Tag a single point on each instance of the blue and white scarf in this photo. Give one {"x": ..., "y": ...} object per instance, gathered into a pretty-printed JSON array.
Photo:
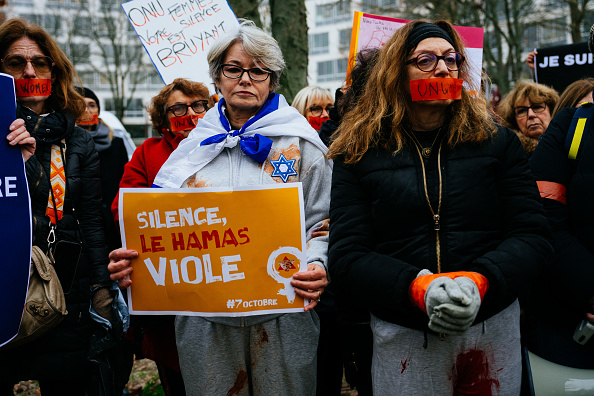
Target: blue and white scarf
[{"x": 213, "y": 133}]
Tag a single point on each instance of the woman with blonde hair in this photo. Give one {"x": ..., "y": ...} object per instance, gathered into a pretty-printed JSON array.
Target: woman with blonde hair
[
  {"x": 314, "y": 103},
  {"x": 527, "y": 110},
  {"x": 436, "y": 224}
]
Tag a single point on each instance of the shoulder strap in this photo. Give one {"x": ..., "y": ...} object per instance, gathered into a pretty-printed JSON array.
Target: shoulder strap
[{"x": 580, "y": 125}]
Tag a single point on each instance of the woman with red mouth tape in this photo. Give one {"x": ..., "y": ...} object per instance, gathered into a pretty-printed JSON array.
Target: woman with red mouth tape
[{"x": 436, "y": 222}]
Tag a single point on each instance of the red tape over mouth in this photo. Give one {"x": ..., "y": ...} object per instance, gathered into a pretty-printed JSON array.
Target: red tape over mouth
[
  {"x": 436, "y": 88},
  {"x": 89, "y": 119},
  {"x": 32, "y": 87},
  {"x": 316, "y": 122},
  {"x": 184, "y": 123}
]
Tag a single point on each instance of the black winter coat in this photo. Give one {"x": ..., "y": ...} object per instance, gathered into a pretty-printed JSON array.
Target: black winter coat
[
  {"x": 381, "y": 227},
  {"x": 61, "y": 353},
  {"x": 561, "y": 298}
]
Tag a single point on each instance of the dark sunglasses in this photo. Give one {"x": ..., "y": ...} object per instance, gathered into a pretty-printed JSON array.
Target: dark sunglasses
[{"x": 16, "y": 64}]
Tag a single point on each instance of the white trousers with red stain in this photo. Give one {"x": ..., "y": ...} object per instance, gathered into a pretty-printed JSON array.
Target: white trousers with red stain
[{"x": 485, "y": 360}]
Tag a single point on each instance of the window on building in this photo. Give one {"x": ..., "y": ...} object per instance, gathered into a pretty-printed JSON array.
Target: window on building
[
  {"x": 529, "y": 38},
  {"x": 344, "y": 39},
  {"x": 82, "y": 24},
  {"x": 376, "y": 5},
  {"x": 80, "y": 53},
  {"x": 587, "y": 24},
  {"x": 318, "y": 44},
  {"x": 333, "y": 12},
  {"x": 333, "y": 70},
  {"x": 87, "y": 78},
  {"x": 52, "y": 24},
  {"x": 553, "y": 32}
]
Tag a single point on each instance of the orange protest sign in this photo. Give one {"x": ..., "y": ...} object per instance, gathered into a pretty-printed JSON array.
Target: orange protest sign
[
  {"x": 214, "y": 251},
  {"x": 436, "y": 88},
  {"x": 184, "y": 123},
  {"x": 32, "y": 87}
]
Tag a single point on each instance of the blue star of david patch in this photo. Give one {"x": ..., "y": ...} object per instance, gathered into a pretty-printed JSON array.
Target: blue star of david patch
[{"x": 283, "y": 168}]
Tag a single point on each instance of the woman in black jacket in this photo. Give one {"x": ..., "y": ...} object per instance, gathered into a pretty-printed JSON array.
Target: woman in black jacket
[
  {"x": 59, "y": 358},
  {"x": 435, "y": 222}
]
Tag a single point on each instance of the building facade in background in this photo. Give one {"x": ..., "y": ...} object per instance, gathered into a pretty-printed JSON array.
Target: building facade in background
[{"x": 109, "y": 57}]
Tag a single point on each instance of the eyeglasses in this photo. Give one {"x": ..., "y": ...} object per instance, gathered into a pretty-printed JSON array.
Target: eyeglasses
[
  {"x": 181, "y": 109},
  {"x": 317, "y": 111},
  {"x": 428, "y": 62},
  {"x": 16, "y": 64},
  {"x": 522, "y": 111},
  {"x": 256, "y": 74}
]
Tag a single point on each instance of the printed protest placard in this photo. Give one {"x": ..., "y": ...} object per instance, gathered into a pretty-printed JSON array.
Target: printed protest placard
[
  {"x": 214, "y": 251},
  {"x": 561, "y": 65},
  {"x": 15, "y": 221},
  {"x": 373, "y": 31},
  {"x": 177, "y": 35}
]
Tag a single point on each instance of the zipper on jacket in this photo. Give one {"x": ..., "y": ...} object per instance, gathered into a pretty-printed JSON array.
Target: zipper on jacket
[{"x": 435, "y": 214}]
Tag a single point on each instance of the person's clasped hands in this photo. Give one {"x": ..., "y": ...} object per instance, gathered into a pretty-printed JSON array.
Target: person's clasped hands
[{"x": 451, "y": 300}]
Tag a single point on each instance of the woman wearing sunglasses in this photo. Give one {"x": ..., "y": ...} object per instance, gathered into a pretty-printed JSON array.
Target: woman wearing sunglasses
[
  {"x": 527, "y": 110},
  {"x": 174, "y": 113},
  {"x": 435, "y": 220}
]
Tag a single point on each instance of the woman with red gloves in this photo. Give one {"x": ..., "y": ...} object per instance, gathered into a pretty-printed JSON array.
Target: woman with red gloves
[{"x": 435, "y": 221}]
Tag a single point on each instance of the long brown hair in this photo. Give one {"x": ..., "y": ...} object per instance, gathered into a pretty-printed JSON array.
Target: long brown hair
[
  {"x": 63, "y": 96},
  {"x": 573, "y": 93},
  {"x": 386, "y": 103}
]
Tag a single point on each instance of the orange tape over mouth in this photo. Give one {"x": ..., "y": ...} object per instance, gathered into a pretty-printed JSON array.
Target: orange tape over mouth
[
  {"x": 184, "y": 123},
  {"x": 32, "y": 87},
  {"x": 89, "y": 119},
  {"x": 436, "y": 88}
]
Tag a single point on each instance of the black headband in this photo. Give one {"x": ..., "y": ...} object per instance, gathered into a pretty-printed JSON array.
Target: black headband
[{"x": 424, "y": 30}]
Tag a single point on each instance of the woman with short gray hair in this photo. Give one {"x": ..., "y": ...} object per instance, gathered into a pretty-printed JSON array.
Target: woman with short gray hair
[{"x": 262, "y": 140}]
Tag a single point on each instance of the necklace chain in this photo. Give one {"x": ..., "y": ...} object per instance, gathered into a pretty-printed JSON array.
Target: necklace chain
[
  {"x": 425, "y": 151},
  {"x": 435, "y": 213}
]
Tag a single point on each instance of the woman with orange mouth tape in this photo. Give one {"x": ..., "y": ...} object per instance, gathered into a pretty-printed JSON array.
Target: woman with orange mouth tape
[{"x": 436, "y": 222}]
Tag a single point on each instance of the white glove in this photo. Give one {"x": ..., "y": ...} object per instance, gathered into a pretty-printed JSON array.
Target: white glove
[{"x": 457, "y": 315}]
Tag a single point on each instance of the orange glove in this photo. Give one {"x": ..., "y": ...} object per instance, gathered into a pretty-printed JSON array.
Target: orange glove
[{"x": 418, "y": 288}]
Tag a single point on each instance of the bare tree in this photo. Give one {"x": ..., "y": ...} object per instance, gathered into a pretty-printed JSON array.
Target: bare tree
[{"x": 115, "y": 54}]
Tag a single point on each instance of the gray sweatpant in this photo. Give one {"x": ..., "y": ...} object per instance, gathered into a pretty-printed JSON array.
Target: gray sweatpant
[
  {"x": 485, "y": 360},
  {"x": 276, "y": 357}
]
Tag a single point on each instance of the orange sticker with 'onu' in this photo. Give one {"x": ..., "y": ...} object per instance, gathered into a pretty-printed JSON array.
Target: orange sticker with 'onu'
[
  {"x": 436, "y": 88},
  {"x": 184, "y": 123}
]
